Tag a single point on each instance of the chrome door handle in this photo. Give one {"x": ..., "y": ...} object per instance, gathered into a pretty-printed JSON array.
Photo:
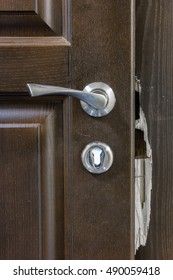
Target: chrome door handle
[{"x": 97, "y": 99}]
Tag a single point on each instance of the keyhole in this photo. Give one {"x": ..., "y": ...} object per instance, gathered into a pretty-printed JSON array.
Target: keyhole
[{"x": 96, "y": 157}]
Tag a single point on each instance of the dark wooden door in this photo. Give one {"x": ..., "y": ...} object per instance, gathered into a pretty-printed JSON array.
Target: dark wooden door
[
  {"x": 51, "y": 207},
  {"x": 154, "y": 67}
]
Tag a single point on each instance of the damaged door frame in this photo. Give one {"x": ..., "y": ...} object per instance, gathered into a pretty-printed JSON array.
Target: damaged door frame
[{"x": 143, "y": 173}]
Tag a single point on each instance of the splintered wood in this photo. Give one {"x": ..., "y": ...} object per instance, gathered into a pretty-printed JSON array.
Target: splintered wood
[{"x": 143, "y": 186}]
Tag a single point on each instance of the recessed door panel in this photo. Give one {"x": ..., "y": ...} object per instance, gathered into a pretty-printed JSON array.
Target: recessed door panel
[
  {"x": 19, "y": 223},
  {"x": 31, "y": 180},
  {"x": 35, "y": 45}
]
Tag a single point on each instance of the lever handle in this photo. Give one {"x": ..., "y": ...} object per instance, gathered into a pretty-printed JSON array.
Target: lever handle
[{"x": 97, "y": 99}]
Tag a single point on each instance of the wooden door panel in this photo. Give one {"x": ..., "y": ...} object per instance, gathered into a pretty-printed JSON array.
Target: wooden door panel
[
  {"x": 31, "y": 176},
  {"x": 154, "y": 67},
  {"x": 33, "y": 61},
  {"x": 17, "y": 5},
  {"x": 45, "y": 18},
  {"x": 81, "y": 215},
  {"x": 19, "y": 233},
  {"x": 106, "y": 56},
  {"x": 32, "y": 24},
  {"x": 34, "y": 50}
]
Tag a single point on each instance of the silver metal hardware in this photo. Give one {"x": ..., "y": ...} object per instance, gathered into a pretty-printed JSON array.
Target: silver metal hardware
[
  {"x": 99, "y": 88},
  {"x": 97, "y": 99},
  {"x": 97, "y": 157}
]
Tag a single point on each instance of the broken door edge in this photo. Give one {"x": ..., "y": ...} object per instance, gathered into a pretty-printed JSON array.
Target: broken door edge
[{"x": 143, "y": 186}]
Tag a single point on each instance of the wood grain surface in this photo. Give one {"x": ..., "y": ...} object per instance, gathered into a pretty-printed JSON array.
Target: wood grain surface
[
  {"x": 90, "y": 216},
  {"x": 102, "y": 48},
  {"x": 31, "y": 176},
  {"x": 24, "y": 25},
  {"x": 154, "y": 66},
  {"x": 35, "y": 60},
  {"x": 15, "y": 5},
  {"x": 19, "y": 232},
  {"x": 31, "y": 52}
]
